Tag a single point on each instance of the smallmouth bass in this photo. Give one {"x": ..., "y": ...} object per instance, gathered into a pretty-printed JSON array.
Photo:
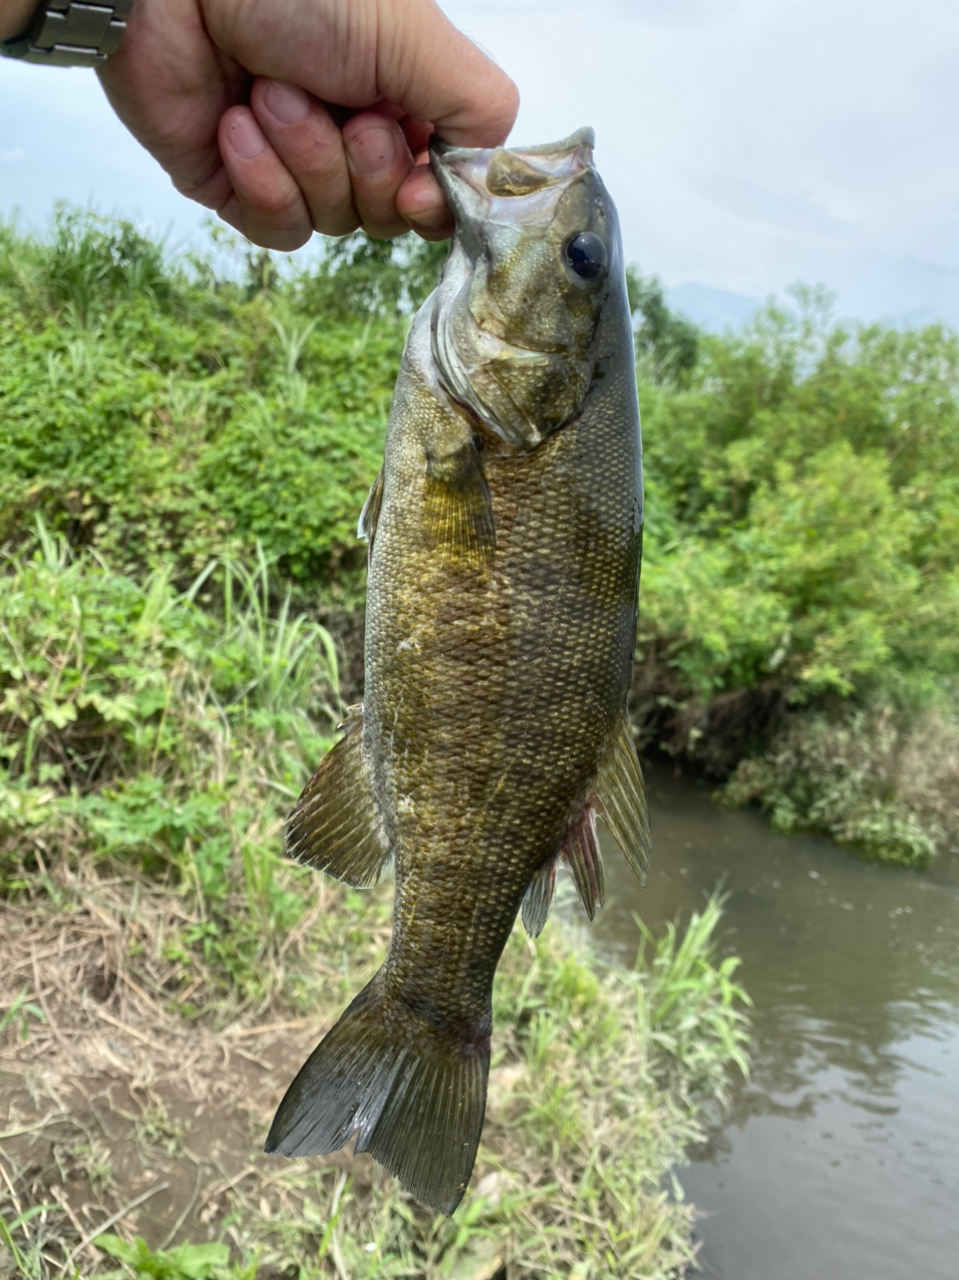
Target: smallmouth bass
[{"x": 505, "y": 535}]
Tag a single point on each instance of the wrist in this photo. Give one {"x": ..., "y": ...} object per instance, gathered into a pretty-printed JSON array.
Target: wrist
[
  {"x": 69, "y": 33},
  {"x": 15, "y": 17}
]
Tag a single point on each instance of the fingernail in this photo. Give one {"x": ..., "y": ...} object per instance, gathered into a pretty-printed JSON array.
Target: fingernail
[
  {"x": 245, "y": 136},
  {"x": 289, "y": 104},
  {"x": 429, "y": 219},
  {"x": 372, "y": 152}
]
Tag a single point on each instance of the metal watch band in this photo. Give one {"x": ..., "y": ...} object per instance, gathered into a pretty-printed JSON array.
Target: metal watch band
[{"x": 65, "y": 34}]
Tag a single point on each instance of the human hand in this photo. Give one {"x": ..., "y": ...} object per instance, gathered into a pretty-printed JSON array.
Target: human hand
[
  {"x": 231, "y": 96},
  {"x": 15, "y": 16}
]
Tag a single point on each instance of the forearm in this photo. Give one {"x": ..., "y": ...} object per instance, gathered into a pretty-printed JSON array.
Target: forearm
[{"x": 15, "y": 17}]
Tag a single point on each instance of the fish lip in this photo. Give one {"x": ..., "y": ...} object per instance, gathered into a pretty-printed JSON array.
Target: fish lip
[
  {"x": 469, "y": 164},
  {"x": 579, "y": 138}
]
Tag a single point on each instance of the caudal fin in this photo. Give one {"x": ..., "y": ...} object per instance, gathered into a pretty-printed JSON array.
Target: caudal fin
[{"x": 414, "y": 1094}]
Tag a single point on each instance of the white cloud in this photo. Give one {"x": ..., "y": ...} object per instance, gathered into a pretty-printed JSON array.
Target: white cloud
[{"x": 747, "y": 143}]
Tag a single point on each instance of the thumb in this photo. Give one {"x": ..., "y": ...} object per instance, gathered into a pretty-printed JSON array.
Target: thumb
[{"x": 436, "y": 73}]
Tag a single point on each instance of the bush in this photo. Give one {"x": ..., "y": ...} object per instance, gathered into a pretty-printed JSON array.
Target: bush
[
  {"x": 164, "y": 414},
  {"x": 793, "y": 493},
  {"x": 802, "y": 544},
  {"x": 803, "y": 552},
  {"x": 865, "y": 777}
]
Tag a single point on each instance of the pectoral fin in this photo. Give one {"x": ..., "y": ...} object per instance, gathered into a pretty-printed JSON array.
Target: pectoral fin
[
  {"x": 336, "y": 825},
  {"x": 459, "y": 511},
  {"x": 621, "y": 800}
]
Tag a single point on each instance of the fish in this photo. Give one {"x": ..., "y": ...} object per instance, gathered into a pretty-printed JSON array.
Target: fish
[{"x": 505, "y": 540}]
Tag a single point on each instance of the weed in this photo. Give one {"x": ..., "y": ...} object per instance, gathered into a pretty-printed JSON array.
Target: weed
[
  {"x": 19, "y": 1013},
  {"x": 866, "y": 777},
  {"x": 140, "y": 729},
  {"x": 188, "y": 1262}
]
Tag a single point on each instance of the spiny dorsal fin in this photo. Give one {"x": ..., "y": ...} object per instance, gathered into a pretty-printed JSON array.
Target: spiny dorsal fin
[
  {"x": 336, "y": 825},
  {"x": 366, "y": 528},
  {"x": 458, "y": 510},
  {"x": 621, "y": 799}
]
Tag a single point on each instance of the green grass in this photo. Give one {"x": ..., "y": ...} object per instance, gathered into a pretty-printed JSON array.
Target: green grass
[
  {"x": 595, "y": 1093},
  {"x": 153, "y": 739},
  {"x": 802, "y": 483},
  {"x": 140, "y": 731}
]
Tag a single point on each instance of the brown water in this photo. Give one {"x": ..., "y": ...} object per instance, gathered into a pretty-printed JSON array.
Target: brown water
[{"x": 841, "y": 1156}]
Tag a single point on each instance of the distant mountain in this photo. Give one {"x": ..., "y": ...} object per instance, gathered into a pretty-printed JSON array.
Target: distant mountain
[
  {"x": 711, "y": 309},
  {"x": 937, "y": 302}
]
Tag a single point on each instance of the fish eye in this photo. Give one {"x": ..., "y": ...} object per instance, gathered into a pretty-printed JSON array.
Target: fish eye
[{"x": 586, "y": 255}]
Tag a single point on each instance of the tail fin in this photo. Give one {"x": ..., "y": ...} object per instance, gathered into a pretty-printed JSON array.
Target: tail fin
[{"x": 414, "y": 1094}]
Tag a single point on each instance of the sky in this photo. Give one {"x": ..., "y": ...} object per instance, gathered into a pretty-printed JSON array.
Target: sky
[{"x": 748, "y": 144}]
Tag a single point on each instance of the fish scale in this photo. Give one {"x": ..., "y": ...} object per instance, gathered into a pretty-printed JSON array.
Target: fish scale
[{"x": 505, "y": 539}]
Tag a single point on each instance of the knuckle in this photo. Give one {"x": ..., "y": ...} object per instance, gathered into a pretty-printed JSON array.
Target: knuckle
[
  {"x": 385, "y": 230},
  {"x": 335, "y": 224}
]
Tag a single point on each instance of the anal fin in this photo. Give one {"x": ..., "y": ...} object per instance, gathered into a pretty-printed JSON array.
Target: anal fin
[
  {"x": 539, "y": 898},
  {"x": 580, "y": 853},
  {"x": 336, "y": 825},
  {"x": 621, "y": 800}
]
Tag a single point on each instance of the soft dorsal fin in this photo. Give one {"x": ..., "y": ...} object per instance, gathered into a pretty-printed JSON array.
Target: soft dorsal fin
[
  {"x": 621, "y": 799},
  {"x": 336, "y": 825}
]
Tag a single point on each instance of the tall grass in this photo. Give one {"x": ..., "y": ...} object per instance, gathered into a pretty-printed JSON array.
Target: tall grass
[{"x": 140, "y": 730}]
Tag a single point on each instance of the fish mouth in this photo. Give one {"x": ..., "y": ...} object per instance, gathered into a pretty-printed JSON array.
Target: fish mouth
[{"x": 472, "y": 178}]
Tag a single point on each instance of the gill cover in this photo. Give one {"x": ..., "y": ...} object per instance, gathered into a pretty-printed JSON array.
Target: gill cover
[{"x": 535, "y": 254}]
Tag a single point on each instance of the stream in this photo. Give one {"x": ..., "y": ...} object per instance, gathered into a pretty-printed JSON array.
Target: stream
[{"x": 840, "y": 1157}]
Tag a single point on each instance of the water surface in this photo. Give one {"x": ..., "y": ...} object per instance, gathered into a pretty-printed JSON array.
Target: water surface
[{"x": 841, "y": 1156}]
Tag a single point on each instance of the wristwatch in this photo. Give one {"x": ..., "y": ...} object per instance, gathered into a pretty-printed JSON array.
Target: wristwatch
[{"x": 68, "y": 34}]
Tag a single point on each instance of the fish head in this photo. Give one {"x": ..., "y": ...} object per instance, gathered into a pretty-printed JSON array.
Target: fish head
[{"x": 535, "y": 257}]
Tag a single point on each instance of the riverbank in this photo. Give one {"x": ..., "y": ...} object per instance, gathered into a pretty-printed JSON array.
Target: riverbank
[
  {"x": 164, "y": 973},
  {"x": 123, "y": 1113}
]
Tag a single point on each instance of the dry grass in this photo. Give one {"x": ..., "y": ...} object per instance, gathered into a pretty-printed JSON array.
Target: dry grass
[
  {"x": 109, "y": 1092},
  {"x": 120, "y": 1114}
]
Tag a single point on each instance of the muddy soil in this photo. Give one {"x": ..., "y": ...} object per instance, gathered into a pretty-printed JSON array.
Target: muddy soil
[{"x": 115, "y": 1112}]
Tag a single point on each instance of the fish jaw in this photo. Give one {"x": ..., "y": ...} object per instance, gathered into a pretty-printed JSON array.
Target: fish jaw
[{"x": 515, "y": 322}]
